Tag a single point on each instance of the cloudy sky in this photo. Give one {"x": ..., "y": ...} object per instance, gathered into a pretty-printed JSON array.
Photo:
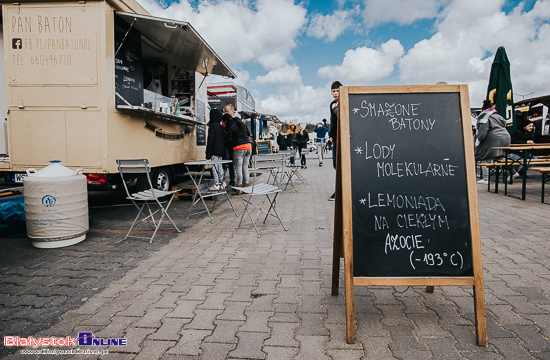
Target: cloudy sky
[{"x": 287, "y": 53}]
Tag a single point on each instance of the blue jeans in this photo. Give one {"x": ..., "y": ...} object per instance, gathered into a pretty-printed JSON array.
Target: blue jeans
[
  {"x": 514, "y": 156},
  {"x": 240, "y": 161}
]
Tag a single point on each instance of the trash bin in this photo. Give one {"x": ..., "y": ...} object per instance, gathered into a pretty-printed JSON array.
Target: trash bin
[{"x": 56, "y": 206}]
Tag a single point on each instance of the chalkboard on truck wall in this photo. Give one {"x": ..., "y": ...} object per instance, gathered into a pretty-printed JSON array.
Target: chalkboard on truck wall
[
  {"x": 410, "y": 216},
  {"x": 128, "y": 64}
]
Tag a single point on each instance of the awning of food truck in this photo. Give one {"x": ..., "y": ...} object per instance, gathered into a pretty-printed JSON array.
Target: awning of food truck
[
  {"x": 179, "y": 40},
  {"x": 533, "y": 101},
  {"x": 272, "y": 118}
]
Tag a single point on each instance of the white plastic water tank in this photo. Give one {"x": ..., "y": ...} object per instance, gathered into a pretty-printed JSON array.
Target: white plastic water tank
[{"x": 56, "y": 206}]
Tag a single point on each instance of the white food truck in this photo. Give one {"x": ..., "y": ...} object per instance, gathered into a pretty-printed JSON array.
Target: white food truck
[{"x": 90, "y": 82}]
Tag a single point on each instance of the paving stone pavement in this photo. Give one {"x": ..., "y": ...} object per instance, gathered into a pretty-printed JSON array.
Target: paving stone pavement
[{"x": 215, "y": 292}]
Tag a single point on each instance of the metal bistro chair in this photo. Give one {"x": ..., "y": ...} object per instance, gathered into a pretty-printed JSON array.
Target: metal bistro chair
[
  {"x": 268, "y": 191},
  {"x": 293, "y": 171},
  {"x": 283, "y": 170},
  {"x": 147, "y": 197}
]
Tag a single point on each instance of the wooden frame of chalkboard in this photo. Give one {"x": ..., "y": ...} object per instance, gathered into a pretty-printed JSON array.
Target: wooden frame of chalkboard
[
  {"x": 263, "y": 147},
  {"x": 410, "y": 216}
]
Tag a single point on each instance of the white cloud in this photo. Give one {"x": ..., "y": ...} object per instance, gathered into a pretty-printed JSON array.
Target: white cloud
[
  {"x": 304, "y": 103},
  {"x": 286, "y": 76},
  {"x": 239, "y": 33},
  {"x": 467, "y": 38},
  {"x": 402, "y": 12},
  {"x": 364, "y": 64},
  {"x": 330, "y": 26}
]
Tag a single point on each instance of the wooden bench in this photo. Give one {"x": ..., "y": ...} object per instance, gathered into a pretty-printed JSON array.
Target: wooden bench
[
  {"x": 497, "y": 167},
  {"x": 545, "y": 172}
]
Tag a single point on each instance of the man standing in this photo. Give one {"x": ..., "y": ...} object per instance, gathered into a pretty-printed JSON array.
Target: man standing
[
  {"x": 335, "y": 90},
  {"x": 320, "y": 140}
]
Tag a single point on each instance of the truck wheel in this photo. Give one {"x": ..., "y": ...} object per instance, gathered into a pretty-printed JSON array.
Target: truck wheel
[{"x": 162, "y": 179}]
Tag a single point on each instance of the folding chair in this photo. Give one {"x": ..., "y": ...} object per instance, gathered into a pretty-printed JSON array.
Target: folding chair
[
  {"x": 283, "y": 170},
  {"x": 147, "y": 197},
  {"x": 261, "y": 189},
  {"x": 294, "y": 170}
]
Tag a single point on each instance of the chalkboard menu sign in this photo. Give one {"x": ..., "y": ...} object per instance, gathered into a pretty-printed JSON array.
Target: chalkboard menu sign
[
  {"x": 406, "y": 200},
  {"x": 408, "y": 183},
  {"x": 263, "y": 147},
  {"x": 128, "y": 65},
  {"x": 201, "y": 135}
]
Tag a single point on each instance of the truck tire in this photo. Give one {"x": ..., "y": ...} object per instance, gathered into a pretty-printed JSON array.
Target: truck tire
[{"x": 162, "y": 179}]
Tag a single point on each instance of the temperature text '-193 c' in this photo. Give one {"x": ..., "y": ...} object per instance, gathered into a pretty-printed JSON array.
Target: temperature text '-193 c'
[{"x": 437, "y": 259}]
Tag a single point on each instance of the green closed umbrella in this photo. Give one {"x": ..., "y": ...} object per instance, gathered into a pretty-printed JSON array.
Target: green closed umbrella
[{"x": 499, "y": 90}]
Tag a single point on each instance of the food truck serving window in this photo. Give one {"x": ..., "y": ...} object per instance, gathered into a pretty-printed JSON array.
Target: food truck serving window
[{"x": 141, "y": 39}]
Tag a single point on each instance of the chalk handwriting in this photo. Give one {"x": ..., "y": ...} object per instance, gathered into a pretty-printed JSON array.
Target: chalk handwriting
[
  {"x": 412, "y": 124},
  {"x": 427, "y": 203},
  {"x": 386, "y": 110},
  {"x": 379, "y": 151},
  {"x": 402, "y": 242},
  {"x": 423, "y": 221},
  {"x": 407, "y": 169}
]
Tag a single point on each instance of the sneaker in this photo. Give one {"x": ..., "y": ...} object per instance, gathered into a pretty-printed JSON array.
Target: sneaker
[
  {"x": 516, "y": 174},
  {"x": 331, "y": 198},
  {"x": 483, "y": 181},
  {"x": 320, "y": 164},
  {"x": 224, "y": 185},
  {"x": 215, "y": 187}
]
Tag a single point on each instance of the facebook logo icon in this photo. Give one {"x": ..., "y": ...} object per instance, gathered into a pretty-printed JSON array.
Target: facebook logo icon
[{"x": 16, "y": 43}]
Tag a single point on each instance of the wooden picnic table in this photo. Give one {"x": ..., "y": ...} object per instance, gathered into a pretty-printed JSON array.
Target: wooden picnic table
[{"x": 525, "y": 149}]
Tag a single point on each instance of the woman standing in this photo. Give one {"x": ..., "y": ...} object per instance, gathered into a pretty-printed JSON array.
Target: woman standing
[
  {"x": 215, "y": 148},
  {"x": 238, "y": 139}
]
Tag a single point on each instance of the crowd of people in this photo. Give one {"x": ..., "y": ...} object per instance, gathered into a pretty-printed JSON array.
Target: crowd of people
[{"x": 230, "y": 139}]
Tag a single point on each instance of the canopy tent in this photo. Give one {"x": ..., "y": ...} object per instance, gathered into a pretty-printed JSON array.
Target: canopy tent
[{"x": 499, "y": 90}]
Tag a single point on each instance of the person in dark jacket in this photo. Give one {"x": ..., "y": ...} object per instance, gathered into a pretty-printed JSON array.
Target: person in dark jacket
[
  {"x": 524, "y": 134},
  {"x": 215, "y": 147},
  {"x": 491, "y": 132},
  {"x": 281, "y": 141},
  {"x": 238, "y": 138},
  {"x": 301, "y": 142},
  {"x": 320, "y": 141},
  {"x": 335, "y": 91}
]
